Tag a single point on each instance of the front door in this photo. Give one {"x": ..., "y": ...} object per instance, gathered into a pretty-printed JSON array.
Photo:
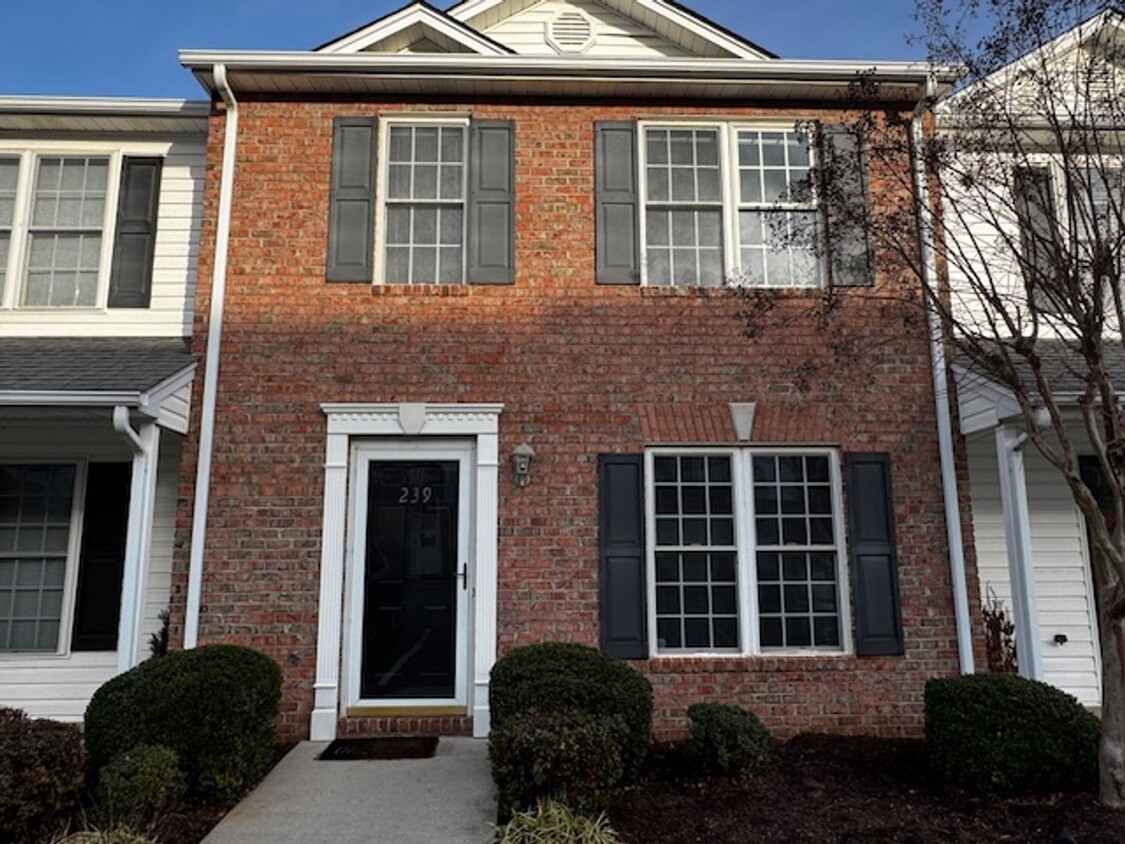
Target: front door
[{"x": 411, "y": 523}]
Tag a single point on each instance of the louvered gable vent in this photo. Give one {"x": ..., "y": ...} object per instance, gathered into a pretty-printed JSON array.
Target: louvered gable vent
[{"x": 570, "y": 31}]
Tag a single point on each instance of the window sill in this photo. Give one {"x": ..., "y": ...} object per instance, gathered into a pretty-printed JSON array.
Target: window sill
[
  {"x": 440, "y": 290},
  {"x": 751, "y": 663},
  {"x": 727, "y": 291}
]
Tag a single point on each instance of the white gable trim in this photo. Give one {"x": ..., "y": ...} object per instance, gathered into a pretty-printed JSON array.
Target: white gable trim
[
  {"x": 469, "y": 10},
  {"x": 416, "y": 14}
]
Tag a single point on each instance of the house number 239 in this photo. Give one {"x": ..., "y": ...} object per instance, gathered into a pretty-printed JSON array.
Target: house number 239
[{"x": 415, "y": 495}]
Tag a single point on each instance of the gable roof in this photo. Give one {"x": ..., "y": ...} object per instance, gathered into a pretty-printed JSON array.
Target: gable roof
[
  {"x": 416, "y": 21},
  {"x": 686, "y": 28}
]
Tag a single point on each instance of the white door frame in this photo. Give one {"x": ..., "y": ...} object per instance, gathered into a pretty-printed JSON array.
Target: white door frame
[
  {"x": 395, "y": 423},
  {"x": 364, "y": 453}
]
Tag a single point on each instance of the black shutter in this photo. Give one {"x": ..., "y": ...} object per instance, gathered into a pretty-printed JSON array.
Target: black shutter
[
  {"x": 616, "y": 201},
  {"x": 97, "y": 607},
  {"x": 1035, "y": 211},
  {"x": 492, "y": 202},
  {"x": 847, "y": 208},
  {"x": 621, "y": 546},
  {"x": 351, "y": 200},
  {"x": 130, "y": 278},
  {"x": 871, "y": 529}
]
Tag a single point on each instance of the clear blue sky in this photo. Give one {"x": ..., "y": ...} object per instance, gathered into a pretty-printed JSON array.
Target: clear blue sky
[{"x": 128, "y": 47}]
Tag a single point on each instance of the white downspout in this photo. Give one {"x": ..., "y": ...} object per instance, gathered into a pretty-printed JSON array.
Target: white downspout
[
  {"x": 1017, "y": 531},
  {"x": 145, "y": 445},
  {"x": 941, "y": 399},
  {"x": 211, "y": 364}
]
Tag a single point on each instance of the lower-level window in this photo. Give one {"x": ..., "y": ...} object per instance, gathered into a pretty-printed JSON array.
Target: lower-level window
[
  {"x": 36, "y": 502},
  {"x": 746, "y": 550}
]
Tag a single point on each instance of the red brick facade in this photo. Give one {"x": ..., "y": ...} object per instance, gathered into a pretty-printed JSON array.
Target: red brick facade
[{"x": 580, "y": 369}]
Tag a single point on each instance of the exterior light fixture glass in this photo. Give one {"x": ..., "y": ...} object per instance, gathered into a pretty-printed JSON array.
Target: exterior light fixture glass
[{"x": 522, "y": 455}]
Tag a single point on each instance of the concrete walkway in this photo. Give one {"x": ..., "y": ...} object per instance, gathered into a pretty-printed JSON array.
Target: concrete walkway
[{"x": 447, "y": 799}]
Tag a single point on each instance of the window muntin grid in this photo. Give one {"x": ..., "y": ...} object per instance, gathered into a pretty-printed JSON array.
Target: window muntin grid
[
  {"x": 683, "y": 207},
  {"x": 35, "y": 513},
  {"x": 425, "y": 208},
  {"x": 796, "y": 552},
  {"x": 777, "y": 219},
  {"x": 695, "y": 553},
  {"x": 9, "y": 182},
  {"x": 68, "y": 209},
  {"x": 795, "y": 581}
]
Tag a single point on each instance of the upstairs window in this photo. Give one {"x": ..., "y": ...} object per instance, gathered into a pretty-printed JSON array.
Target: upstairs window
[
  {"x": 425, "y": 205},
  {"x": 77, "y": 231},
  {"x": 730, "y": 204}
]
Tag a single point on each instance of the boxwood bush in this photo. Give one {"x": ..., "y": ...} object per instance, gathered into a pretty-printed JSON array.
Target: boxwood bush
[
  {"x": 727, "y": 740},
  {"x": 137, "y": 785},
  {"x": 214, "y": 706},
  {"x": 1005, "y": 734},
  {"x": 42, "y": 772},
  {"x": 558, "y": 675},
  {"x": 565, "y": 755}
]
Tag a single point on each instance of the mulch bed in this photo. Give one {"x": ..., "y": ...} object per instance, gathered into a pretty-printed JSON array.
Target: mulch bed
[{"x": 843, "y": 789}]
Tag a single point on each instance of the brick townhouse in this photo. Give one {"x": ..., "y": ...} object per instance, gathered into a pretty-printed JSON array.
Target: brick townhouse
[{"x": 474, "y": 376}]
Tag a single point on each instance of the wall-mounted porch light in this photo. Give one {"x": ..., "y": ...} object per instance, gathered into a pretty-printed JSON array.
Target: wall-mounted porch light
[{"x": 522, "y": 455}]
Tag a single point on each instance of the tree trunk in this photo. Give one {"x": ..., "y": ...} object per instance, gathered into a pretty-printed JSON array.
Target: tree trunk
[{"x": 1111, "y": 755}]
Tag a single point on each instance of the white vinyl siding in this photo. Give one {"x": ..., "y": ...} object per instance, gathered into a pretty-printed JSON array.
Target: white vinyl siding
[
  {"x": 614, "y": 34},
  {"x": 1064, "y": 590},
  {"x": 176, "y": 250},
  {"x": 60, "y": 686}
]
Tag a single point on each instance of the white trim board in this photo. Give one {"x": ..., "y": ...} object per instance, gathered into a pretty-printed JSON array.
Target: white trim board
[{"x": 391, "y": 424}]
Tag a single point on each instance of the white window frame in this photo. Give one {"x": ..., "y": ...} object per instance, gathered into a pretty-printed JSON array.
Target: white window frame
[
  {"x": 746, "y": 541},
  {"x": 731, "y": 196},
  {"x": 74, "y": 545},
  {"x": 19, "y": 251},
  {"x": 383, "y": 178}
]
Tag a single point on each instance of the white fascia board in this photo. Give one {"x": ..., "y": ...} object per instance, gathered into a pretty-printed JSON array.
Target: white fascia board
[
  {"x": 61, "y": 398},
  {"x": 404, "y": 19},
  {"x": 105, "y": 106},
  {"x": 704, "y": 30},
  {"x": 559, "y": 67}
]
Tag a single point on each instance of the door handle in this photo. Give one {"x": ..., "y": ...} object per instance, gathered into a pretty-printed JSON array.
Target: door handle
[{"x": 464, "y": 575}]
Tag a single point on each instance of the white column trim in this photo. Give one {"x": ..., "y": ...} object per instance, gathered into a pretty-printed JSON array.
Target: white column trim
[
  {"x": 326, "y": 690},
  {"x": 480, "y": 421},
  {"x": 138, "y": 543},
  {"x": 1021, "y": 561}
]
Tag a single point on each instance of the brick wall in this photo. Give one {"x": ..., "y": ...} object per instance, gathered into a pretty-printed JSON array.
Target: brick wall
[{"x": 581, "y": 369}]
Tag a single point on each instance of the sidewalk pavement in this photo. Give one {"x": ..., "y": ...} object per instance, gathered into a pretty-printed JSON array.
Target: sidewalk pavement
[{"x": 447, "y": 799}]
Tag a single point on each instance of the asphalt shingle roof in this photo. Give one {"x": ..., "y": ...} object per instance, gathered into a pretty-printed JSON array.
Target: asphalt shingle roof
[
  {"x": 1065, "y": 369},
  {"x": 89, "y": 364}
]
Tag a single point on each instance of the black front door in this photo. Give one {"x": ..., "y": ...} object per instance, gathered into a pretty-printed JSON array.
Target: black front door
[{"x": 410, "y": 597}]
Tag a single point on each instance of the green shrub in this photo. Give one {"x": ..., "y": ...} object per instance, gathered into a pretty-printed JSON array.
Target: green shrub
[
  {"x": 554, "y": 823},
  {"x": 1005, "y": 734},
  {"x": 558, "y": 675},
  {"x": 728, "y": 740},
  {"x": 214, "y": 706},
  {"x": 113, "y": 835},
  {"x": 137, "y": 785},
  {"x": 566, "y": 755},
  {"x": 42, "y": 771}
]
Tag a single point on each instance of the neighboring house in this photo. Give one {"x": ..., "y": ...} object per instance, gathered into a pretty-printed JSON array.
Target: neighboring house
[
  {"x": 100, "y": 214},
  {"x": 450, "y": 242},
  {"x": 1032, "y": 547}
]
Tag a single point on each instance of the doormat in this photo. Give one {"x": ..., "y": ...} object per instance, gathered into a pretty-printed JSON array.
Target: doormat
[{"x": 383, "y": 747}]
